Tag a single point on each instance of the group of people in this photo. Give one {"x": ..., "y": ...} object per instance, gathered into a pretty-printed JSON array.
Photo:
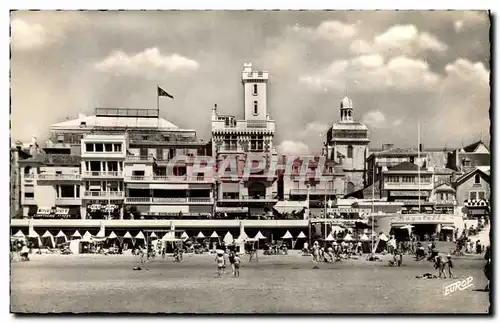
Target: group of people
[
  {"x": 233, "y": 258},
  {"x": 334, "y": 252}
]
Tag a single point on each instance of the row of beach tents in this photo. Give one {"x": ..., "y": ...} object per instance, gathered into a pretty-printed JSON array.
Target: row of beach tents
[{"x": 49, "y": 239}]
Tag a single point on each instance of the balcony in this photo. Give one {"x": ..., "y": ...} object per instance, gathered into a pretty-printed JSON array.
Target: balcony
[
  {"x": 29, "y": 201},
  {"x": 168, "y": 179},
  {"x": 169, "y": 200},
  {"x": 59, "y": 177},
  {"x": 317, "y": 191},
  {"x": 103, "y": 195},
  {"x": 29, "y": 178},
  {"x": 99, "y": 174},
  {"x": 408, "y": 186},
  {"x": 68, "y": 201},
  {"x": 246, "y": 198},
  {"x": 139, "y": 159}
]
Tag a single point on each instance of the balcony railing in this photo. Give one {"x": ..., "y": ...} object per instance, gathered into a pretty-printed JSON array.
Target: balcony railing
[
  {"x": 104, "y": 194},
  {"x": 29, "y": 176},
  {"x": 169, "y": 179},
  {"x": 168, "y": 200},
  {"x": 102, "y": 174},
  {"x": 269, "y": 197},
  {"x": 147, "y": 159},
  {"x": 59, "y": 177},
  {"x": 68, "y": 201},
  {"x": 317, "y": 191}
]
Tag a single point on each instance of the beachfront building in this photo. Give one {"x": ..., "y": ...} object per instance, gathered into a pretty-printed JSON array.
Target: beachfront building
[
  {"x": 113, "y": 166},
  {"x": 244, "y": 141},
  {"x": 473, "y": 192},
  {"x": 347, "y": 144}
]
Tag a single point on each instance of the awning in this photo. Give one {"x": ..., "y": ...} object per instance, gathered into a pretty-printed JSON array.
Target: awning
[
  {"x": 290, "y": 206},
  {"x": 230, "y": 187},
  {"x": 231, "y": 209},
  {"x": 137, "y": 186},
  {"x": 448, "y": 228}
]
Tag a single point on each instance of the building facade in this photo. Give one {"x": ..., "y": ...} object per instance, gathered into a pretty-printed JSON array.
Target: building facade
[
  {"x": 235, "y": 143},
  {"x": 347, "y": 144}
]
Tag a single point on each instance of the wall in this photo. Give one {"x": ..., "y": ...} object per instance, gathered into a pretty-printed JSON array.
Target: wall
[
  {"x": 130, "y": 168},
  {"x": 464, "y": 188},
  {"x": 261, "y": 98}
]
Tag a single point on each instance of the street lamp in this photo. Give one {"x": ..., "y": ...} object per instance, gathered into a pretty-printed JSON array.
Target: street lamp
[{"x": 330, "y": 203}]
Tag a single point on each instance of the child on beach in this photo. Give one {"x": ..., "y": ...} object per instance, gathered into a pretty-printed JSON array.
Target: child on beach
[
  {"x": 237, "y": 262},
  {"x": 439, "y": 265},
  {"x": 219, "y": 259}
]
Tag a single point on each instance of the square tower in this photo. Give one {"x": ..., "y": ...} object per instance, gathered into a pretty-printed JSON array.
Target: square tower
[{"x": 254, "y": 92}]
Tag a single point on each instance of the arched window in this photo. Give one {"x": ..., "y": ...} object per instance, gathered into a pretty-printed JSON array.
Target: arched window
[
  {"x": 477, "y": 179},
  {"x": 255, "y": 108},
  {"x": 349, "y": 151}
]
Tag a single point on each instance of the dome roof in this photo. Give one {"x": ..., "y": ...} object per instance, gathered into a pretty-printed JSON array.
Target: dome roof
[
  {"x": 349, "y": 126},
  {"x": 346, "y": 103}
]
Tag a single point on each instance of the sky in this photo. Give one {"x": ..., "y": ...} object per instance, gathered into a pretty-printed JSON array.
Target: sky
[{"x": 396, "y": 66}]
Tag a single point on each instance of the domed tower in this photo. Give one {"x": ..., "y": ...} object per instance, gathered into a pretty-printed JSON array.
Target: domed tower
[{"x": 348, "y": 145}]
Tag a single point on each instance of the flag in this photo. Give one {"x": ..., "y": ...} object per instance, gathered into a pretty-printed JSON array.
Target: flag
[{"x": 162, "y": 92}]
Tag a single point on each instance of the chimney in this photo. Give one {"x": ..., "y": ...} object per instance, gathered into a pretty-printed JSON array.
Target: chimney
[{"x": 387, "y": 146}]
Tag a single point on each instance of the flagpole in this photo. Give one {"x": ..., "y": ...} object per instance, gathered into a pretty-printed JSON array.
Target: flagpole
[
  {"x": 157, "y": 107},
  {"x": 418, "y": 166}
]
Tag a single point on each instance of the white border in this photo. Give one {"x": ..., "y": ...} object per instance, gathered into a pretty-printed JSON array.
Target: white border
[{"x": 187, "y": 4}]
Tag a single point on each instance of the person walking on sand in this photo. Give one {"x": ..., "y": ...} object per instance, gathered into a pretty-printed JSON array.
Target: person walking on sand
[
  {"x": 237, "y": 262},
  {"x": 449, "y": 265},
  {"x": 232, "y": 261},
  {"x": 219, "y": 259},
  {"x": 439, "y": 265}
]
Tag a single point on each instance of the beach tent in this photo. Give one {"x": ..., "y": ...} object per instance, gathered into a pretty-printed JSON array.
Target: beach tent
[
  {"x": 287, "y": 235},
  {"x": 259, "y": 236},
  {"x": 76, "y": 235},
  {"x": 112, "y": 235},
  {"x": 301, "y": 235},
  {"x": 383, "y": 237},
  {"x": 330, "y": 238},
  {"x": 184, "y": 236},
  {"x": 242, "y": 237},
  {"x": 381, "y": 243},
  {"x": 348, "y": 237},
  {"x": 101, "y": 234},
  {"x": 214, "y": 235},
  {"x": 153, "y": 236},
  {"x": 87, "y": 237},
  {"x": 364, "y": 237},
  {"x": 228, "y": 238},
  {"x": 127, "y": 235},
  {"x": 48, "y": 239},
  {"x": 34, "y": 238},
  {"x": 140, "y": 235},
  {"x": 19, "y": 235},
  {"x": 200, "y": 235},
  {"x": 61, "y": 235}
]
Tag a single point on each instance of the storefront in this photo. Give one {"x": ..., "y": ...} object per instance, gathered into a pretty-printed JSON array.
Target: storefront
[
  {"x": 421, "y": 225},
  {"x": 97, "y": 211},
  {"x": 56, "y": 212}
]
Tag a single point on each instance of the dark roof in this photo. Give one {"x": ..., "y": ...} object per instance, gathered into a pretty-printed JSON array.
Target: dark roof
[
  {"x": 468, "y": 175},
  {"x": 406, "y": 166},
  {"x": 476, "y": 159},
  {"x": 398, "y": 152},
  {"x": 472, "y": 147},
  {"x": 55, "y": 160}
]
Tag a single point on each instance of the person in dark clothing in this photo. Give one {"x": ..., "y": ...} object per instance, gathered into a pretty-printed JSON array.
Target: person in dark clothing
[
  {"x": 487, "y": 267},
  {"x": 232, "y": 261}
]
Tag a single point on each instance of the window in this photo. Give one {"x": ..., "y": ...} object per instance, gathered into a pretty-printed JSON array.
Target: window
[
  {"x": 108, "y": 147},
  {"x": 257, "y": 143},
  {"x": 472, "y": 195},
  {"x": 77, "y": 190},
  {"x": 60, "y": 138},
  {"x": 138, "y": 173},
  {"x": 349, "y": 151},
  {"x": 89, "y": 147},
  {"x": 143, "y": 152},
  {"x": 145, "y": 137},
  {"x": 255, "y": 108},
  {"x": 66, "y": 190},
  {"x": 118, "y": 147},
  {"x": 29, "y": 195},
  {"x": 442, "y": 197},
  {"x": 99, "y": 147},
  {"x": 480, "y": 195},
  {"x": 255, "y": 89},
  {"x": 477, "y": 179}
]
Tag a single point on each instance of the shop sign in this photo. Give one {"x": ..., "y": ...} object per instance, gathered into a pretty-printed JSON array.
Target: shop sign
[
  {"x": 409, "y": 193},
  {"x": 52, "y": 212},
  {"x": 422, "y": 218}
]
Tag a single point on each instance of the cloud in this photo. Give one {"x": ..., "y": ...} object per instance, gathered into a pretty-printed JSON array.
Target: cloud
[
  {"x": 374, "y": 119},
  {"x": 371, "y": 72},
  {"x": 293, "y": 148},
  {"x": 330, "y": 30},
  {"x": 149, "y": 63},
  {"x": 469, "y": 19},
  {"x": 26, "y": 36},
  {"x": 399, "y": 40}
]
